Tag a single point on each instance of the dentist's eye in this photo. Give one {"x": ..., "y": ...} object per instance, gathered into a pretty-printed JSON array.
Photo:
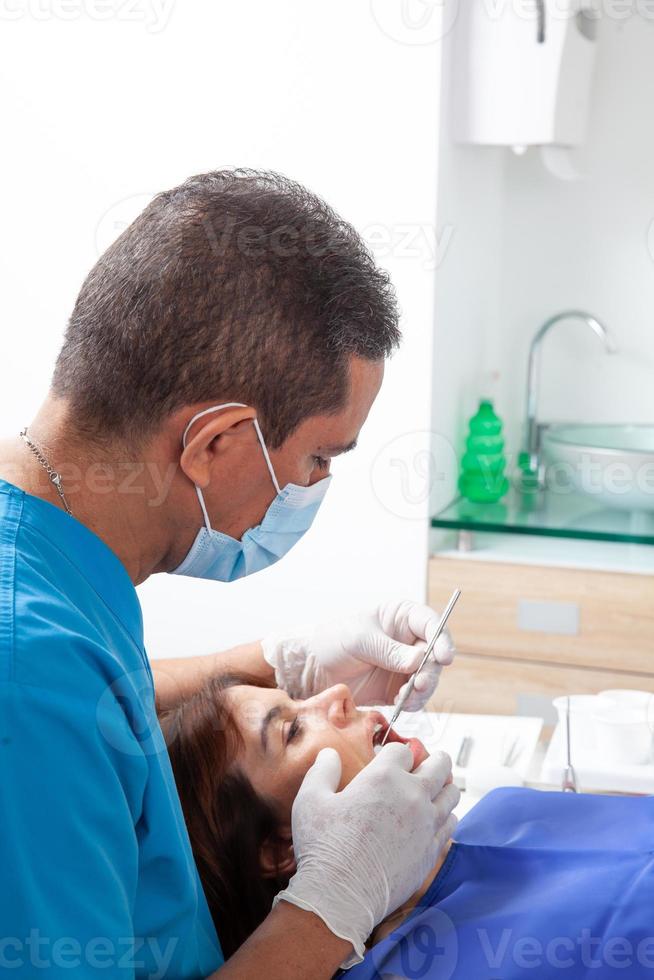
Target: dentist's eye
[
  {"x": 294, "y": 729},
  {"x": 321, "y": 462}
]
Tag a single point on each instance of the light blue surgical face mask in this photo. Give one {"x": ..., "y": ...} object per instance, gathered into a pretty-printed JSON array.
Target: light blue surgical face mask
[{"x": 217, "y": 556}]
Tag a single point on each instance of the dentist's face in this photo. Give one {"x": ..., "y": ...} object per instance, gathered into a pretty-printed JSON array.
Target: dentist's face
[
  {"x": 237, "y": 486},
  {"x": 282, "y": 737}
]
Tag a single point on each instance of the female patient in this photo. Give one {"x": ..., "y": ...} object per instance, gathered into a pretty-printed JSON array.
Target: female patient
[{"x": 535, "y": 884}]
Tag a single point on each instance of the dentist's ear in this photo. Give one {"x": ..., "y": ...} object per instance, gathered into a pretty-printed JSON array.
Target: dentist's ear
[
  {"x": 276, "y": 857},
  {"x": 207, "y": 436}
]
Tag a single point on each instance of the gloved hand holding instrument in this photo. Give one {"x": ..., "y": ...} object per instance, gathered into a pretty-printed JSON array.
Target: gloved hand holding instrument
[{"x": 373, "y": 653}]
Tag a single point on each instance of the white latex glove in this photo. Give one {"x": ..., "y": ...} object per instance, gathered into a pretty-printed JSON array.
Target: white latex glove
[
  {"x": 363, "y": 851},
  {"x": 374, "y": 654}
]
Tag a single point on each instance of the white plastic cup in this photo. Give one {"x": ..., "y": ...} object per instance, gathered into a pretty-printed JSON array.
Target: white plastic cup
[
  {"x": 642, "y": 701},
  {"x": 623, "y": 734},
  {"x": 582, "y": 723}
]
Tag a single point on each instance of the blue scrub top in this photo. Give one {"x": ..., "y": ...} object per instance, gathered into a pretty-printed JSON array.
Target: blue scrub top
[
  {"x": 539, "y": 885},
  {"x": 97, "y": 874}
]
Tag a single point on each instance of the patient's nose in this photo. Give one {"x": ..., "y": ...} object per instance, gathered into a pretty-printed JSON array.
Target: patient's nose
[{"x": 336, "y": 704}]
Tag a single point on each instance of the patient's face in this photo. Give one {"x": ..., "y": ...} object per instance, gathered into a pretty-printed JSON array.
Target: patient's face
[{"x": 283, "y": 737}]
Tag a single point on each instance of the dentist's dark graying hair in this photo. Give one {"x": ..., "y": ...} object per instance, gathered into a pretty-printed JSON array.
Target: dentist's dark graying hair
[{"x": 238, "y": 285}]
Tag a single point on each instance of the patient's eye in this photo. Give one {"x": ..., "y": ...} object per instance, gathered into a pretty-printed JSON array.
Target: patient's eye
[
  {"x": 321, "y": 462},
  {"x": 294, "y": 729}
]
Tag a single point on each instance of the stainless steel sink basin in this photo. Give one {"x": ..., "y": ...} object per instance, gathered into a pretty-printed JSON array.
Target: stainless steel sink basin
[{"x": 612, "y": 464}]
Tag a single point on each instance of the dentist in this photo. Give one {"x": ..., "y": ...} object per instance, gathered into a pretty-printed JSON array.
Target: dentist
[{"x": 220, "y": 353}]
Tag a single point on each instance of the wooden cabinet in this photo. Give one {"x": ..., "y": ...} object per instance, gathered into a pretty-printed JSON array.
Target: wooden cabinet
[{"x": 505, "y": 661}]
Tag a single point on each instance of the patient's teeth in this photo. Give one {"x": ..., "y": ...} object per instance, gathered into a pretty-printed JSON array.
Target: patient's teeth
[{"x": 378, "y": 727}]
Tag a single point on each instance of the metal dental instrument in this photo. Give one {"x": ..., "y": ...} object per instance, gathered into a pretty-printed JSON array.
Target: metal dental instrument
[
  {"x": 513, "y": 754},
  {"x": 569, "y": 775},
  {"x": 428, "y": 652},
  {"x": 463, "y": 755}
]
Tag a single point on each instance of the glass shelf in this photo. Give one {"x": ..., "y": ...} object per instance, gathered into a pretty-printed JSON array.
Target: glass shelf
[{"x": 547, "y": 514}]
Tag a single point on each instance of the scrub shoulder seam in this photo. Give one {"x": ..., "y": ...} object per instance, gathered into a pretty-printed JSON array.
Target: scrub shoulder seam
[{"x": 9, "y": 527}]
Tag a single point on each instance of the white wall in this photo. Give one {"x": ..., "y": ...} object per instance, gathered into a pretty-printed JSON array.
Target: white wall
[
  {"x": 97, "y": 114},
  {"x": 525, "y": 245},
  {"x": 468, "y": 281},
  {"x": 587, "y": 243}
]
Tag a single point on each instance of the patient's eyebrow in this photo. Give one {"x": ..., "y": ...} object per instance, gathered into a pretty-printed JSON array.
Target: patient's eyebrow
[{"x": 265, "y": 725}]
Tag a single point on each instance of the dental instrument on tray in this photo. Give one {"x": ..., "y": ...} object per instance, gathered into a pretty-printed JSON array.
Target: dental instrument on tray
[
  {"x": 569, "y": 775},
  {"x": 428, "y": 652},
  {"x": 463, "y": 755},
  {"x": 511, "y": 757}
]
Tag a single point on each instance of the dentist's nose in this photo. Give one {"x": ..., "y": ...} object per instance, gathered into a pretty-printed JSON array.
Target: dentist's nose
[{"x": 320, "y": 473}]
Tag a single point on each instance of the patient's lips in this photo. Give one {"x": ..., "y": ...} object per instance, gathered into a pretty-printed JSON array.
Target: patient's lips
[{"x": 379, "y": 728}]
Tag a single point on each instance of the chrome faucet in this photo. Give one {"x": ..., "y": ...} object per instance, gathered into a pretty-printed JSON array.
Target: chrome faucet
[{"x": 533, "y": 429}]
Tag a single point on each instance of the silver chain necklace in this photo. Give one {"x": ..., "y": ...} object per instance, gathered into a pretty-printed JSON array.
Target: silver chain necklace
[{"x": 55, "y": 478}]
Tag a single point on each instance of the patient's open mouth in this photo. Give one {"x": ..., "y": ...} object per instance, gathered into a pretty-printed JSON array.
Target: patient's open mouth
[{"x": 379, "y": 728}]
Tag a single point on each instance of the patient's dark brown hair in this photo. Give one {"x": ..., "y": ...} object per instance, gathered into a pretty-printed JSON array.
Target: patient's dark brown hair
[{"x": 228, "y": 822}]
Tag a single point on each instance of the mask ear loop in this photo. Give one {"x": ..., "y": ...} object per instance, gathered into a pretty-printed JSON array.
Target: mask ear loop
[
  {"x": 266, "y": 454},
  {"x": 264, "y": 448}
]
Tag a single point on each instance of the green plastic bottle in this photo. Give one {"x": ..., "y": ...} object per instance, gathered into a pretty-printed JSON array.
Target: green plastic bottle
[{"x": 482, "y": 478}]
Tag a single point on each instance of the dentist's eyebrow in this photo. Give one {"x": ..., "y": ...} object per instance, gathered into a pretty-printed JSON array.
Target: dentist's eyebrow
[
  {"x": 337, "y": 450},
  {"x": 266, "y": 723}
]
